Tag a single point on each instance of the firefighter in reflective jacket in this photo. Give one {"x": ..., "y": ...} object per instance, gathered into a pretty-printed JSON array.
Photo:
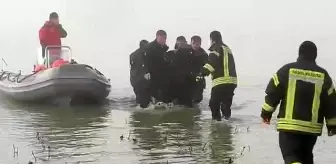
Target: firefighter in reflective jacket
[
  {"x": 307, "y": 97},
  {"x": 221, "y": 66}
]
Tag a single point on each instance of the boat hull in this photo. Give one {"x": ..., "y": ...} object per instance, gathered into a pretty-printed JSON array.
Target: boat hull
[{"x": 78, "y": 82}]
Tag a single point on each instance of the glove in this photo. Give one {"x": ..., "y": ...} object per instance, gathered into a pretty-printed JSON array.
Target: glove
[{"x": 147, "y": 76}]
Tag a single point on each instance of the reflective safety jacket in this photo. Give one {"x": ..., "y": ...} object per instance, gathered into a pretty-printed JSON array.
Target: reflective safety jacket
[
  {"x": 220, "y": 65},
  {"x": 307, "y": 96}
]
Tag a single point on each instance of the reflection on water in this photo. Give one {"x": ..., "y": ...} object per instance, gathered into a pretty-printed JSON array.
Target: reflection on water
[
  {"x": 92, "y": 134},
  {"x": 177, "y": 137}
]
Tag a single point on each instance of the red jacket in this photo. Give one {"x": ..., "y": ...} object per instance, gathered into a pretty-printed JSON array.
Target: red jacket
[{"x": 50, "y": 34}]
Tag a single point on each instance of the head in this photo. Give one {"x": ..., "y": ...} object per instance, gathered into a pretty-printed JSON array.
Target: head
[
  {"x": 308, "y": 51},
  {"x": 143, "y": 43},
  {"x": 161, "y": 37},
  {"x": 53, "y": 17},
  {"x": 216, "y": 37},
  {"x": 179, "y": 41},
  {"x": 196, "y": 42}
]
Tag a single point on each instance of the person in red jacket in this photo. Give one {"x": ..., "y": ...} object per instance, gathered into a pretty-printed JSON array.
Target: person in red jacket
[{"x": 50, "y": 35}]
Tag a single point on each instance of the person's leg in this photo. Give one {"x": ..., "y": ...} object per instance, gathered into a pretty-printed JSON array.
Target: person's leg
[
  {"x": 227, "y": 95},
  {"x": 307, "y": 149},
  {"x": 290, "y": 145},
  {"x": 214, "y": 103},
  {"x": 144, "y": 97}
]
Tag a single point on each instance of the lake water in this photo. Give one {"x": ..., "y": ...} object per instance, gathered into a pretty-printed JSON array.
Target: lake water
[{"x": 263, "y": 36}]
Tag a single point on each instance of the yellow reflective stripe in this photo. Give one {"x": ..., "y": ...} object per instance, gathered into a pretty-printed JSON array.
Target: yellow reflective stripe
[
  {"x": 306, "y": 75},
  {"x": 331, "y": 89},
  {"x": 224, "y": 80},
  {"x": 296, "y": 163},
  {"x": 316, "y": 102},
  {"x": 214, "y": 52},
  {"x": 267, "y": 107},
  {"x": 298, "y": 128},
  {"x": 331, "y": 121},
  {"x": 275, "y": 80},
  {"x": 226, "y": 61},
  {"x": 300, "y": 122},
  {"x": 290, "y": 98},
  {"x": 298, "y": 125},
  {"x": 209, "y": 67}
]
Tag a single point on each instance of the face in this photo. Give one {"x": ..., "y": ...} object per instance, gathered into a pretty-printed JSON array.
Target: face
[
  {"x": 179, "y": 42},
  {"x": 55, "y": 20},
  {"x": 161, "y": 39},
  {"x": 195, "y": 44}
]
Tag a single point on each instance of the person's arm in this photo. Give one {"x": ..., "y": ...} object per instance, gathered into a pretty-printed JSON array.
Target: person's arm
[
  {"x": 274, "y": 94},
  {"x": 43, "y": 36},
  {"x": 209, "y": 67},
  {"x": 64, "y": 34},
  {"x": 329, "y": 106}
]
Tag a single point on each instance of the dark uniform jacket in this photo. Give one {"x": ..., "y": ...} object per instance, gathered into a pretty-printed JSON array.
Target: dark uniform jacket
[
  {"x": 181, "y": 63},
  {"x": 199, "y": 59},
  {"x": 138, "y": 67},
  {"x": 155, "y": 59},
  {"x": 307, "y": 97},
  {"x": 221, "y": 65}
]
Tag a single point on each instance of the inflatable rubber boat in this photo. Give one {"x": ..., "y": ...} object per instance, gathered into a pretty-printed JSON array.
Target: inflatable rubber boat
[{"x": 75, "y": 82}]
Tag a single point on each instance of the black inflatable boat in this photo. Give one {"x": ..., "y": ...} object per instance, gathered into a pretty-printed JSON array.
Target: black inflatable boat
[{"x": 77, "y": 82}]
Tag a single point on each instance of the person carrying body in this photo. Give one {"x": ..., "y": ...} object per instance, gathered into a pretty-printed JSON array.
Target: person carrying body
[
  {"x": 307, "y": 96},
  {"x": 221, "y": 66},
  {"x": 181, "y": 72},
  {"x": 158, "y": 67},
  {"x": 199, "y": 59},
  {"x": 139, "y": 75},
  {"x": 50, "y": 35}
]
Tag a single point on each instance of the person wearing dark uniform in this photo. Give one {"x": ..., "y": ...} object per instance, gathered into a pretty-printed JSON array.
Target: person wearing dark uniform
[
  {"x": 158, "y": 66},
  {"x": 221, "y": 66},
  {"x": 181, "y": 72},
  {"x": 139, "y": 75},
  {"x": 199, "y": 59},
  {"x": 307, "y": 96}
]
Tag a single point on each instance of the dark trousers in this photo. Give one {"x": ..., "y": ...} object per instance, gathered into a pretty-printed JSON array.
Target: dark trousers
[
  {"x": 221, "y": 100},
  {"x": 197, "y": 91},
  {"x": 297, "y": 147},
  {"x": 182, "y": 92},
  {"x": 160, "y": 89},
  {"x": 142, "y": 94}
]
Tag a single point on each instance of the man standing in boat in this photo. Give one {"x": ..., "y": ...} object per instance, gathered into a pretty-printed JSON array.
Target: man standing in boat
[{"x": 50, "y": 35}]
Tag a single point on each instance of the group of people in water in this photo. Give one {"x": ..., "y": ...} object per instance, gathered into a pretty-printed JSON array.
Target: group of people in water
[
  {"x": 176, "y": 76},
  {"x": 304, "y": 91}
]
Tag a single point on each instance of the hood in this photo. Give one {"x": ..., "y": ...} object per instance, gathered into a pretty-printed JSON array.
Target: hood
[{"x": 307, "y": 51}]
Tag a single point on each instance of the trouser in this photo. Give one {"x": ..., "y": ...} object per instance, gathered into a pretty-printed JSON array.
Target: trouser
[
  {"x": 197, "y": 91},
  {"x": 297, "y": 148},
  {"x": 183, "y": 92},
  {"x": 142, "y": 95},
  {"x": 160, "y": 90},
  {"x": 221, "y": 100}
]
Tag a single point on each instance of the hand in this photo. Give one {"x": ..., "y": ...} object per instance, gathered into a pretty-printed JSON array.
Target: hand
[
  {"x": 198, "y": 78},
  {"x": 266, "y": 121},
  {"x": 331, "y": 133},
  {"x": 147, "y": 76}
]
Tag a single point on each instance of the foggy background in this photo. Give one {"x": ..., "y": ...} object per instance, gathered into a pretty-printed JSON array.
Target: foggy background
[{"x": 263, "y": 34}]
